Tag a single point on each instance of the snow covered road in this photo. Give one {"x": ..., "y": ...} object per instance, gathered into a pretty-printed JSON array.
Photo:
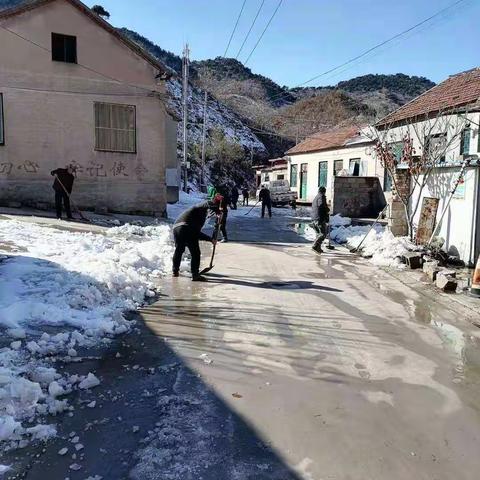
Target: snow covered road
[{"x": 61, "y": 292}]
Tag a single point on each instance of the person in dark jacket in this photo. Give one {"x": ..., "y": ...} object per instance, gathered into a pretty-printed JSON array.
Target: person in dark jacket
[
  {"x": 320, "y": 218},
  {"x": 234, "y": 197},
  {"x": 245, "y": 195},
  {"x": 224, "y": 194},
  {"x": 187, "y": 232},
  {"x": 63, "y": 185},
  {"x": 264, "y": 197}
]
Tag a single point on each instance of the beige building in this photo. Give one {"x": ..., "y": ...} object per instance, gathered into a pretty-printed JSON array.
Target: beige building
[
  {"x": 319, "y": 158},
  {"x": 73, "y": 90}
]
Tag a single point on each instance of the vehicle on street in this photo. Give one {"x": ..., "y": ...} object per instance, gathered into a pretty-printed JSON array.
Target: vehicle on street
[{"x": 280, "y": 193}]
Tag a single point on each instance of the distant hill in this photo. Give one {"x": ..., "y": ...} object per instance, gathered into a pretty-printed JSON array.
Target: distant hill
[
  {"x": 228, "y": 71},
  {"x": 398, "y": 83}
]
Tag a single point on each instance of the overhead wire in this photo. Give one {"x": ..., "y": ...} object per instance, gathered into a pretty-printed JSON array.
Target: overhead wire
[
  {"x": 263, "y": 33},
  {"x": 375, "y": 47},
  {"x": 235, "y": 27},
  {"x": 250, "y": 29},
  {"x": 151, "y": 91}
]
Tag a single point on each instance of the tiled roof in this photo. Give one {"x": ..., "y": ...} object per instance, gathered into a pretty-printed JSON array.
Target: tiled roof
[
  {"x": 332, "y": 139},
  {"x": 456, "y": 91}
]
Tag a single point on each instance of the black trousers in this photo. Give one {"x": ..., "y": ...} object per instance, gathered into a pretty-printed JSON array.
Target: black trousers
[
  {"x": 321, "y": 227},
  {"x": 185, "y": 238},
  {"x": 269, "y": 208},
  {"x": 245, "y": 200},
  {"x": 223, "y": 225},
  {"x": 61, "y": 196}
]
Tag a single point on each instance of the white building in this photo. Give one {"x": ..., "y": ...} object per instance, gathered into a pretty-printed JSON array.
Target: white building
[
  {"x": 446, "y": 119},
  {"x": 276, "y": 169},
  {"x": 319, "y": 158}
]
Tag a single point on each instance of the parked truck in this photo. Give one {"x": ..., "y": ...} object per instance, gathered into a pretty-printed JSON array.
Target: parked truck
[{"x": 280, "y": 193}]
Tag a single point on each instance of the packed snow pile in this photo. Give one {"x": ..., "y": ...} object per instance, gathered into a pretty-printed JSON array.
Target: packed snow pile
[
  {"x": 380, "y": 245},
  {"x": 62, "y": 291}
]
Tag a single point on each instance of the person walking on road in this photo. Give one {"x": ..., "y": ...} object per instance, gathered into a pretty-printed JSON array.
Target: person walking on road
[
  {"x": 63, "y": 185},
  {"x": 264, "y": 197},
  {"x": 245, "y": 196},
  {"x": 226, "y": 200},
  {"x": 187, "y": 232},
  {"x": 234, "y": 197},
  {"x": 320, "y": 218}
]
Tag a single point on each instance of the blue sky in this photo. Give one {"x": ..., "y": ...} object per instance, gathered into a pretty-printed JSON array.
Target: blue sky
[{"x": 308, "y": 37}]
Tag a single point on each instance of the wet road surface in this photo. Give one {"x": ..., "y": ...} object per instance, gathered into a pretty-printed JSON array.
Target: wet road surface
[{"x": 286, "y": 365}]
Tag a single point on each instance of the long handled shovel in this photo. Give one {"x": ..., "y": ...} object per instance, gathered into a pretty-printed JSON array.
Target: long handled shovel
[
  {"x": 252, "y": 207},
  {"x": 215, "y": 237},
  {"x": 72, "y": 202}
]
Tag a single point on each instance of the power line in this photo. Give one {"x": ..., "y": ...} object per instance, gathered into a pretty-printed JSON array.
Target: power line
[
  {"x": 250, "y": 29},
  {"x": 79, "y": 64},
  {"x": 263, "y": 33},
  {"x": 235, "y": 27},
  {"x": 79, "y": 92},
  {"x": 375, "y": 47}
]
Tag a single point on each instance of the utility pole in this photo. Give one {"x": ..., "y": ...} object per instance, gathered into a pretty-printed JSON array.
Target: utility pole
[
  {"x": 186, "y": 53},
  {"x": 204, "y": 139}
]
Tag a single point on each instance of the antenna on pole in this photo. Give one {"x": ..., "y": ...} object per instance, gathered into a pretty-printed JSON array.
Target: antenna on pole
[{"x": 186, "y": 61}]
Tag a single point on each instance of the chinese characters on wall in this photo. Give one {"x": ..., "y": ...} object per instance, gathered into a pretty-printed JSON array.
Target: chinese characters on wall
[{"x": 92, "y": 170}]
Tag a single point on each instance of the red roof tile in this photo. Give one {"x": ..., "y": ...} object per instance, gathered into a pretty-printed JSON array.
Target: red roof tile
[
  {"x": 331, "y": 139},
  {"x": 456, "y": 91}
]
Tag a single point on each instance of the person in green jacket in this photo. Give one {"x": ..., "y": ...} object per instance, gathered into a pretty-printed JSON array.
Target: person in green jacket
[{"x": 211, "y": 192}]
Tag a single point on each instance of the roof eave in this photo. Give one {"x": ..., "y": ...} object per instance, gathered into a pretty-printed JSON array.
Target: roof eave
[
  {"x": 329, "y": 149},
  {"x": 10, "y": 12}
]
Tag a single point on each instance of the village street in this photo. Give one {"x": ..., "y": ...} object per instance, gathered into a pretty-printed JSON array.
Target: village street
[{"x": 286, "y": 365}]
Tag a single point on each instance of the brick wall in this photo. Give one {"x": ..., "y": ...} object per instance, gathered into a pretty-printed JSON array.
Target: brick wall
[{"x": 358, "y": 197}]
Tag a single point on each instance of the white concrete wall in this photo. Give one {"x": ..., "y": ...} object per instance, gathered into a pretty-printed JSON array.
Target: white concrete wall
[
  {"x": 451, "y": 124},
  {"x": 364, "y": 152},
  {"x": 49, "y": 115},
  {"x": 274, "y": 174},
  {"x": 459, "y": 223}
]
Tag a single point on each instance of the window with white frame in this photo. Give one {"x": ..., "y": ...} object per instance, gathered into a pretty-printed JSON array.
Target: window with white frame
[
  {"x": 465, "y": 141},
  {"x": 2, "y": 127},
  {"x": 436, "y": 146},
  {"x": 115, "y": 128}
]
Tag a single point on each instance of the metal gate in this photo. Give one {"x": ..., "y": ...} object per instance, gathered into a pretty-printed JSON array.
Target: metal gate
[
  {"x": 322, "y": 174},
  {"x": 303, "y": 181}
]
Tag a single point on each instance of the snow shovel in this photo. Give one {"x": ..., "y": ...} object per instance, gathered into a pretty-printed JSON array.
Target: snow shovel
[
  {"x": 215, "y": 237},
  {"x": 357, "y": 248},
  {"x": 252, "y": 207},
  {"x": 72, "y": 202}
]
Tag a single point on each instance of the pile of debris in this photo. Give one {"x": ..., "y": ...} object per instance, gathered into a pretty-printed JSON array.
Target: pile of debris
[{"x": 441, "y": 269}]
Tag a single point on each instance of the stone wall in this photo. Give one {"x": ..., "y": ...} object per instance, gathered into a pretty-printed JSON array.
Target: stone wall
[{"x": 358, "y": 197}]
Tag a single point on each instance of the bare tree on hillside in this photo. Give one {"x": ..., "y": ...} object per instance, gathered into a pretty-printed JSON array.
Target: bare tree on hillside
[
  {"x": 100, "y": 11},
  {"x": 415, "y": 149}
]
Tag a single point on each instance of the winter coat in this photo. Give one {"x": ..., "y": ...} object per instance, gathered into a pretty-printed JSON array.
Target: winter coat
[
  {"x": 65, "y": 177},
  {"x": 211, "y": 191},
  {"x": 195, "y": 217},
  {"x": 235, "y": 195},
  {"x": 264, "y": 196},
  {"x": 320, "y": 208}
]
